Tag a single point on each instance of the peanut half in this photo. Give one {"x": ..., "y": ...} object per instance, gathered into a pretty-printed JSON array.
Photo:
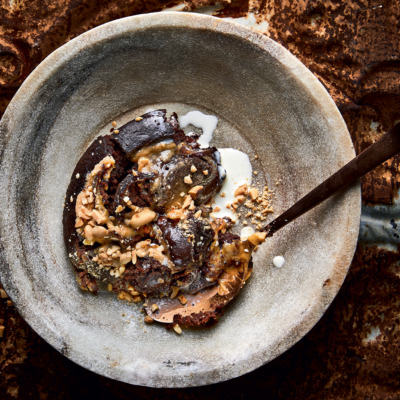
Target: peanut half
[{"x": 142, "y": 218}]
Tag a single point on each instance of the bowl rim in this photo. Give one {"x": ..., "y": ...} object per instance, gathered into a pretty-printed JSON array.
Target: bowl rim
[{"x": 139, "y": 23}]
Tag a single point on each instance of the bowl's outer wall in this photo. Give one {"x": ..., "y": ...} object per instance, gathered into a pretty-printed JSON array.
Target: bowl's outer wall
[{"x": 284, "y": 115}]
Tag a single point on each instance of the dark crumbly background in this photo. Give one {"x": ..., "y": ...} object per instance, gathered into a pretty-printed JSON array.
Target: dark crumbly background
[{"x": 353, "y": 47}]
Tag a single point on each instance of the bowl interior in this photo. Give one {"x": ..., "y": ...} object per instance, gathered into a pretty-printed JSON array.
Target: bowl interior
[{"x": 267, "y": 103}]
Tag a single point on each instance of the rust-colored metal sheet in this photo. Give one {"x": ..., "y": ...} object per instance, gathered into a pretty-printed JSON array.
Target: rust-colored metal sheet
[{"x": 353, "y": 47}]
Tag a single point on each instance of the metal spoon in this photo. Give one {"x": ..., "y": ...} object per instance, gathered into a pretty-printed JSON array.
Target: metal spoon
[{"x": 207, "y": 300}]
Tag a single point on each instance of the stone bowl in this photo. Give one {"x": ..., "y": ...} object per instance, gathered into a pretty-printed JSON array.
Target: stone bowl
[{"x": 268, "y": 103}]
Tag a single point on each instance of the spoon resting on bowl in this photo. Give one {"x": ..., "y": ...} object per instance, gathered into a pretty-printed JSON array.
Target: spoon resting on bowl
[{"x": 209, "y": 300}]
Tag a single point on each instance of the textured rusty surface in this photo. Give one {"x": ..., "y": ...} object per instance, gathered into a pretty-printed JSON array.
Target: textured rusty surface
[{"x": 353, "y": 47}]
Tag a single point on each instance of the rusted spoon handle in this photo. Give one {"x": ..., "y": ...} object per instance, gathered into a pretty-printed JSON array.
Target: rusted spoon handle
[{"x": 387, "y": 146}]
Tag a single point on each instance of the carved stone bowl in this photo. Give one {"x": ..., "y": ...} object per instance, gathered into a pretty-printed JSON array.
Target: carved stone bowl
[{"x": 268, "y": 104}]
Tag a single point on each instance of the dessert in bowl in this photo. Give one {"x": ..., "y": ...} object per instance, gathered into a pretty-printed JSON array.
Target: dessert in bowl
[
  {"x": 267, "y": 104},
  {"x": 139, "y": 217}
]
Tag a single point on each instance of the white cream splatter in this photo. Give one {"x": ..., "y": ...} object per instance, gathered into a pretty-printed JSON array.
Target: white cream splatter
[
  {"x": 238, "y": 172},
  {"x": 207, "y": 123},
  {"x": 236, "y": 163},
  {"x": 245, "y": 233}
]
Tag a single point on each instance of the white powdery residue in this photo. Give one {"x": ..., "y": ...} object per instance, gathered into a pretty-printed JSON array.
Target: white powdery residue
[
  {"x": 178, "y": 7},
  {"x": 238, "y": 172},
  {"x": 251, "y": 22},
  {"x": 207, "y": 123},
  {"x": 372, "y": 335},
  {"x": 245, "y": 233},
  {"x": 278, "y": 261},
  {"x": 374, "y": 125}
]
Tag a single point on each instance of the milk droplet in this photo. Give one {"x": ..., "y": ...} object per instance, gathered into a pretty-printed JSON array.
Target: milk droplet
[{"x": 278, "y": 261}]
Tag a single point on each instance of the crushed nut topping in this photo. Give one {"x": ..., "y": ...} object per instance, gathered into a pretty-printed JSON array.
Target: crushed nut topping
[
  {"x": 147, "y": 235},
  {"x": 188, "y": 180},
  {"x": 195, "y": 190}
]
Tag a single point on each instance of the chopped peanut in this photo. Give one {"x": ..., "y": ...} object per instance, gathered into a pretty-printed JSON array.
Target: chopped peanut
[
  {"x": 119, "y": 209},
  {"x": 143, "y": 161},
  {"x": 142, "y": 218},
  {"x": 188, "y": 180},
  {"x": 78, "y": 223},
  {"x": 241, "y": 190},
  {"x": 125, "y": 257},
  {"x": 175, "y": 291},
  {"x": 99, "y": 232},
  {"x": 187, "y": 201},
  {"x": 132, "y": 291},
  {"x": 240, "y": 199},
  {"x": 142, "y": 243},
  {"x": 195, "y": 190},
  {"x": 177, "y": 329},
  {"x": 253, "y": 193},
  {"x": 154, "y": 307},
  {"x": 175, "y": 214},
  {"x": 99, "y": 217},
  {"x": 182, "y": 299},
  {"x": 197, "y": 214}
]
